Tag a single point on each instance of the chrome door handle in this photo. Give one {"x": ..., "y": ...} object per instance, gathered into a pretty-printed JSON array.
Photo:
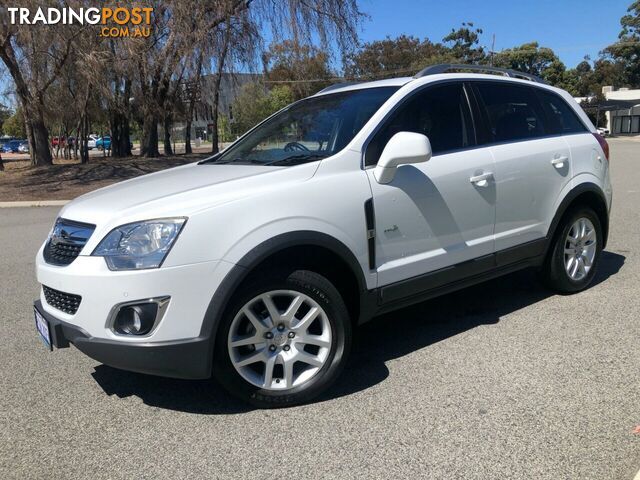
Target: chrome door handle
[
  {"x": 482, "y": 180},
  {"x": 559, "y": 161}
]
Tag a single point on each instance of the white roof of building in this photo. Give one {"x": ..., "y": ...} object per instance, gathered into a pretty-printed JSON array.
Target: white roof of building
[{"x": 623, "y": 95}]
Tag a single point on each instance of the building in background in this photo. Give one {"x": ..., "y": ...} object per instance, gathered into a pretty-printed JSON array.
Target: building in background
[{"x": 622, "y": 110}]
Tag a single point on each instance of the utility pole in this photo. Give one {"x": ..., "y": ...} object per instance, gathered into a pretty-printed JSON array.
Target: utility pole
[{"x": 493, "y": 49}]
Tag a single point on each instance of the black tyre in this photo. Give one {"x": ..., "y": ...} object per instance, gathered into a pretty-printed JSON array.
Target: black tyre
[
  {"x": 283, "y": 340},
  {"x": 575, "y": 252}
]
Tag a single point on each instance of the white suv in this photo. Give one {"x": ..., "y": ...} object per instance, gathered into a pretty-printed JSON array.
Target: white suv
[{"x": 255, "y": 265}]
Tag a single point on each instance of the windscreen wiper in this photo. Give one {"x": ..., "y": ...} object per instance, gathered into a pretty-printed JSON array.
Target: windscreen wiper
[
  {"x": 296, "y": 159},
  {"x": 238, "y": 161}
]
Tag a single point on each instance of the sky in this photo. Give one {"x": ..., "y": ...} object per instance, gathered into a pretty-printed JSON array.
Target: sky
[{"x": 572, "y": 28}]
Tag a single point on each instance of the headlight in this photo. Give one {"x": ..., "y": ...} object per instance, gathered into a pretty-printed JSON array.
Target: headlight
[{"x": 139, "y": 245}]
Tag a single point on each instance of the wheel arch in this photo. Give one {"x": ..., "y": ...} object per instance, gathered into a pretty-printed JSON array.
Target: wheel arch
[
  {"x": 585, "y": 194},
  {"x": 299, "y": 250}
]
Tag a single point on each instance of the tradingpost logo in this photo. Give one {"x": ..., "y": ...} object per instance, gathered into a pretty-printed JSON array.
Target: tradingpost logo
[{"x": 113, "y": 22}]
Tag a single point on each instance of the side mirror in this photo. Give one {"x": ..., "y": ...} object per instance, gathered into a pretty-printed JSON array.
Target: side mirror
[{"x": 402, "y": 148}]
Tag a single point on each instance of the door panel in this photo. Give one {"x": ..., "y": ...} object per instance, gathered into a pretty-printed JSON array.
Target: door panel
[
  {"x": 431, "y": 216},
  {"x": 532, "y": 159},
  {"x": 529, "y": 177}
]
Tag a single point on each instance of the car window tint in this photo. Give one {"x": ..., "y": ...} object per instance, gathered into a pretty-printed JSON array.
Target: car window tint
[
  {"x": 440, "y": 112},
  {"x": 513, "y": 111},
  {"x": 561, "y": 117}
]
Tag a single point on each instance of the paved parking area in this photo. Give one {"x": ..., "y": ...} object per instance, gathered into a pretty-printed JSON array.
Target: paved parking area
[{"x": 502, "y": 380}]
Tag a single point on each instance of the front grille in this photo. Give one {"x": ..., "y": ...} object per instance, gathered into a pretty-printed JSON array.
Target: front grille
[
  {"x": 65, "y": 302},
  {"x": 61, "y": 254},
  {"x": 67, "y": 240}
]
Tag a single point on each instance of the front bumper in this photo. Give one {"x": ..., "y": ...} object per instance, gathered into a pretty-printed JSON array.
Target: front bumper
[
  {"x": 190, "y": 288},
  {"x": 189, "y": 358},
  {"x": 181, "y": 344}
]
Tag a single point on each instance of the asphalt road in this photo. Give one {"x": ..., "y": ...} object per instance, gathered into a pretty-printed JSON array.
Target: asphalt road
[{"x": 502, "y": 380}]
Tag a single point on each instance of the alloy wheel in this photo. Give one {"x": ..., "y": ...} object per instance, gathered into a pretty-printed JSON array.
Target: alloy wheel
[
  {"x": 279, "y": 340},
  {"x": 580, "y": 249}
]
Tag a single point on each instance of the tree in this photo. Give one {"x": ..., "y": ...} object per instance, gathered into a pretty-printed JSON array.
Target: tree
[
  {"x": 305, "y": 67},
  {"x": 254, "y": 103},
  {"x": 531, "y": 58},
  {"x": 34, "y": 56},
  {"x": 390, "y": 57},
  {"x": 5, "y": 113},
  {"x": 405, "y": 55},
  {"x": 626, "y": 50},
  {"x": 191, "y": 93},
  {"x": 235, "y": 43},
  {"x": 606, "y": 72},
  {"x": 14, "y": 126},
  {"x": 576, "y": 80},
  {"x": 116, "y": 92},
  {"x": 587, "y": 79},
  {"x": 464, "y": 44},
  {"x": 590, "y": 106},
  {"x": 181, "y": 26}
]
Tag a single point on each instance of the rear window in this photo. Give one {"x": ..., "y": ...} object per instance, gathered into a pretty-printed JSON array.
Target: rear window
[
  {"x": 561, "y": 117},
  {"x": 513, "y": 111}
]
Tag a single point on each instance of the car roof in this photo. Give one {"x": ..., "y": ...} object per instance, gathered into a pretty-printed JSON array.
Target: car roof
[{"x": 401, "y": 81}]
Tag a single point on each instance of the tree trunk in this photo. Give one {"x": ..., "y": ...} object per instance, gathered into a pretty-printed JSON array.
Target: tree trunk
[
  {"x": 216, "y": 89},
  {"x": 167, "y": 134},
  {"x": 84, "y": 140},
  {"x": 120, "y": 133},
  {"x": 119, "y": 120},
  {"x": 214, "y": 121},
  {"x": 38, "y": 135},
  {"x": 56, "y": 151},
  {"x": 149, "y": 140},
  {"x": 193, "y": 96},
  {"x": 187, "y": 137},
  {"x": 33, "y": 107}
]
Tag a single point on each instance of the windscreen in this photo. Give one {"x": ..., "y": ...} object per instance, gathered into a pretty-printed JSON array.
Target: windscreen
[{"x": 308, "y": 130}]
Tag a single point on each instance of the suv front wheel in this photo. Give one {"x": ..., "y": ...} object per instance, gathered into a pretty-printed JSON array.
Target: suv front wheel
[
  {"x": 284, "y": 339},
  {"x": 575, "y": 252}
]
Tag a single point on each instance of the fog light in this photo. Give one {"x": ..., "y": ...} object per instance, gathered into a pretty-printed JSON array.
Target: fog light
[{"x": 138, "y": 318}]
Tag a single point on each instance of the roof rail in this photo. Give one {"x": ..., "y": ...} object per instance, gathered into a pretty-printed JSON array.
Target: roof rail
[
  {"x": 449, "y": 67},
  {"x": 336, "y": 86}
]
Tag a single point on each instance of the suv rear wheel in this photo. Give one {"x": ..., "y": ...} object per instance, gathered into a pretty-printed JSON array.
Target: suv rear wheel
[
  {"x": 575, "y": 253},
  {"x": 284, "y": 339}
]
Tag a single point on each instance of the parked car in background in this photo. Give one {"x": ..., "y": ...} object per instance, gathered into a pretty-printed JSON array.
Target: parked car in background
[
  {"x": 104, "y": 143},
  {"x": 12, "y": 146},
  {"x": 91, "y": 141},
  {"x": 5, "y": 140},
  {"x": 23, "y": 147},
  {"x": 604, "y": 131}
]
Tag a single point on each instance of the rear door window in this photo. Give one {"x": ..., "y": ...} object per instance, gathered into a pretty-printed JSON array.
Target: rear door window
[
  {"x": 561, "y": 118},
  {"x": 513, "y": 112}
]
